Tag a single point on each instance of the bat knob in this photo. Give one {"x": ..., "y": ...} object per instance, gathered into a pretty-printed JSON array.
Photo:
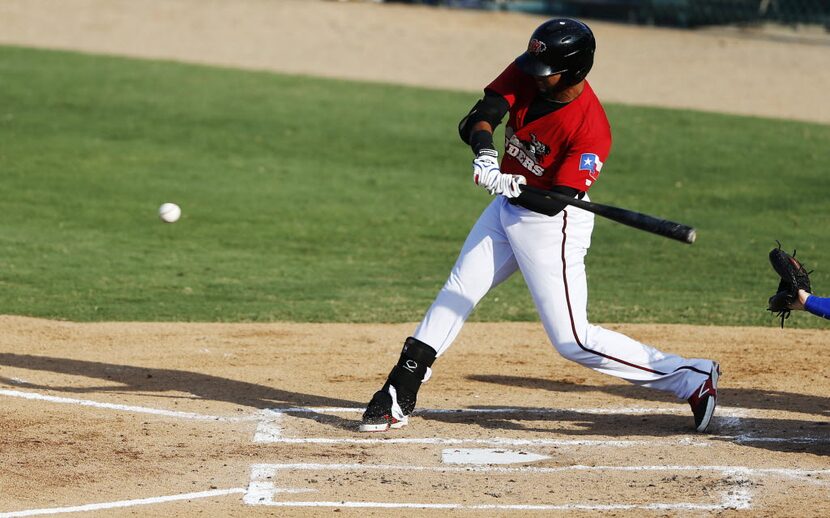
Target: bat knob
[{"x": 691, "y": 236}]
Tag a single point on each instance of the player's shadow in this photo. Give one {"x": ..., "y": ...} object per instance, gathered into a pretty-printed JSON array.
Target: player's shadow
[
  {"x": 733, "y": 397},
  {"x": 792, "y": 436},
  {"x": 156, "y": 382},
  {"x": 778, "y": 434}
]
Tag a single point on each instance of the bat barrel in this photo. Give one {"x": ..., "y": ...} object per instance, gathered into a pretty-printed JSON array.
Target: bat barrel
[
  {"x": 675, "y": 231},
  {"x": 661, "y": 227}
]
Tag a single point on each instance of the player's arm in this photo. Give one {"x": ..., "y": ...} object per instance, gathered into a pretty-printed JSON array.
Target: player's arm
[
  {"x": 476, "y": 130},
  {"x": 477, "y": 127},
  {"x": 819, "y": 306}
]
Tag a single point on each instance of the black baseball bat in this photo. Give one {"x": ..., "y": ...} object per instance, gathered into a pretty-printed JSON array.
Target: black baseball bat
[{"x": 661, "y": 227}]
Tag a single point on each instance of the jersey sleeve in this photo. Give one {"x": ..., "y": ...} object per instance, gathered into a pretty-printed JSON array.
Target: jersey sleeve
[
  {"x": 819, "y": 306},
  {"x": 584, "y": 159},
  {"x": 508, "y": 84}
]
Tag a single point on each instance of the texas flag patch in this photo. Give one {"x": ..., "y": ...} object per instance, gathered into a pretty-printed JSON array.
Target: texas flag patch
[{"x": 590, "y": 162}]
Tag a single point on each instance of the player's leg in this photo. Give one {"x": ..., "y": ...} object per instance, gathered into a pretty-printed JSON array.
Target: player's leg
[
  {"x": 551, "y": 256},
  {"x": 485, "y": 261},
  {"x": 391, "y": 405}
]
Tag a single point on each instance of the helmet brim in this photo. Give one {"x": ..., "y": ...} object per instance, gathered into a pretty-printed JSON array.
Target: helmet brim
[{"x": 531, "y": 65}]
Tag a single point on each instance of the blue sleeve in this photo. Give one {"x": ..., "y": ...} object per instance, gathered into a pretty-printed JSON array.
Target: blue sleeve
[{"x": 818, "y": 306}]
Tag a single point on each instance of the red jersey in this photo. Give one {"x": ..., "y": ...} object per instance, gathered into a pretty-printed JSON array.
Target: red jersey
[{"x": 566, "y": 147}]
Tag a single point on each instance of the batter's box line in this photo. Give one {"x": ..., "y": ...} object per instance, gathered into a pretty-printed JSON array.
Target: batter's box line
[
  {"x": 133, "y": 409},
  {"x": 269, "y": 429},
  {"x": 88, "y": 508},
  {"x": 262, "y": 489},
  {"x": 722, "y": 411}
]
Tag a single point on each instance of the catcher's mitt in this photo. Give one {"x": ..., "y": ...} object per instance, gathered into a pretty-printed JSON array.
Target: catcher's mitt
[{"x": 794, "y": 277}]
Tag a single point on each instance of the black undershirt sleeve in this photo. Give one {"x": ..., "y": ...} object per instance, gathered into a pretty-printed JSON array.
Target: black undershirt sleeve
[{"x": 481, "y": 139}]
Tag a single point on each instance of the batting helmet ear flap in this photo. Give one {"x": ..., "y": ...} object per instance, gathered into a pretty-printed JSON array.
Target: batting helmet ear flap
[{"x": 559, "y": 46}]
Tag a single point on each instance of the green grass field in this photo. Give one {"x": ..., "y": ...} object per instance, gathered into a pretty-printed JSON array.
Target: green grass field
[{"x": 319, "y": 200}]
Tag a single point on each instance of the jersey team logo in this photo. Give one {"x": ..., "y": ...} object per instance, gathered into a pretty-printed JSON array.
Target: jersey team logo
[
  {"x": 536, "y": 47},
  {"x": 590, "y": 162},
  {"x": 528, "y": 154},
  {"x": 538, "y": 149}
]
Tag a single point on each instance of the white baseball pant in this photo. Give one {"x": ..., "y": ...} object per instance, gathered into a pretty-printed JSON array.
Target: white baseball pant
[{"x": 550, "y": 253}]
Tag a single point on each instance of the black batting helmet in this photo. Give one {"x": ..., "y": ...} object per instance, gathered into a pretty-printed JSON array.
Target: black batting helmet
[{"x": 560, "y": 46}]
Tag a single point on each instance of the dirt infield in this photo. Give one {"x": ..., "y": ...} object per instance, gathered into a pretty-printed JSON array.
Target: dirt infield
[
  {"x": 237, "y": 419},
  {"x": 230, "y": 420}
]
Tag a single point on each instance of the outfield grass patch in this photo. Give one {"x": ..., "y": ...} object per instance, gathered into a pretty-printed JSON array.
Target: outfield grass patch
[{"x": 321, "y": 200}]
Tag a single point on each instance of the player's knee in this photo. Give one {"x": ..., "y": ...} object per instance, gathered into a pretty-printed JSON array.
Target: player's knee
[
  {"x": 468, "y": 285},
  {"x": 461, "y": 297},
  {"x": 570, "y": 350}
]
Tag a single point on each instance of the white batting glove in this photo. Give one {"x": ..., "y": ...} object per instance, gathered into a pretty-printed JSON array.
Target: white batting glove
[
  {"x": 486, "y": 168},
  {"x": 509, "y": 185},
  {"x": 487, "y": 174}
]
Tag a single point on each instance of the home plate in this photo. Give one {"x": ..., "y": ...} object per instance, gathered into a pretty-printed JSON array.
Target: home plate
[{"x": 488, "y": 456}]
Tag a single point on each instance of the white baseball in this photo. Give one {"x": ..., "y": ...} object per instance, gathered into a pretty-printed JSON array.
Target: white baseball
[{"x": 170, "y": 212}]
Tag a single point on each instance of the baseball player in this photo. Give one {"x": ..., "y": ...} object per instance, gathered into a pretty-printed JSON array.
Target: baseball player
[
  {"x": 557, "y": 137},
  {"x": 794, "y": 290}
]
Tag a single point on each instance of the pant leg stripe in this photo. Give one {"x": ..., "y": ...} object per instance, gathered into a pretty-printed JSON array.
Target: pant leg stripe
[
  {"x": 570, "y": 310},
  {"x": 692, "y": 369}
]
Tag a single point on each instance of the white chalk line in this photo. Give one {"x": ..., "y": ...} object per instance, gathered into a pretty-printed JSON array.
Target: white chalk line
[
  {"x": 748, "y": 438},
  {"x": 737, "y": 500},
  {"x": 270, "y": 431},
  {"x": 274, "y": 414},
  {"x": 262, "y": 489},
  {"x": 794, "y": 473},
  {"x": 496, "y": 441},
  {"x": 727, "y": 417},
  {"x": 722, "y": 411},
  {"x": 124, "y": 503},
  {"x": 269, "y": 428},
  {"x": 125, "y": 408},
  {"x": 735, "y": 424}
]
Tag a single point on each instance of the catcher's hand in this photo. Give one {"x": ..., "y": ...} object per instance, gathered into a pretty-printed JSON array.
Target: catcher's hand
[{"x": 794, "y": 277}]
